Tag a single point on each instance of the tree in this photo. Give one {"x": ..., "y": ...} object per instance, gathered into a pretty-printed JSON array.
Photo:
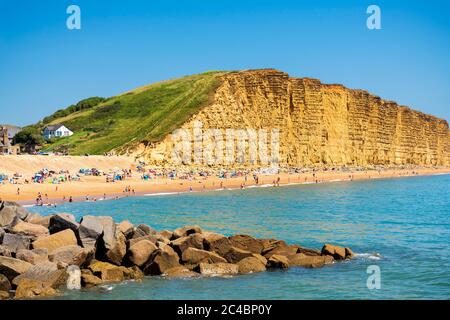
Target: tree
[{"x": 28, "y": 137}]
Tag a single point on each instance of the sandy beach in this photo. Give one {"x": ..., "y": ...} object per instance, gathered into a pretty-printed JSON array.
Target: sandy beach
[{"x": 95, "y": 188}]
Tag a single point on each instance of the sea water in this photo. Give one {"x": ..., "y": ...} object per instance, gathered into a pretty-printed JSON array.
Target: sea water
[{"x": 400, "y": 225}]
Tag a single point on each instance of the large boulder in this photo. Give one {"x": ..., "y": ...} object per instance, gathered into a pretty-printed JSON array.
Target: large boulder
[
  {"x": 8, "y": 217},
  {"x": 33, "y": 256},
  {"x": 308, "y": 252},
  {"x": 91, "y": 228},
  {"x": 192, "y": 241},
  {"x": 109, "y": 229},
  {"x": 271, "y": 244},
  {"x": 112, "y": 247},
  {"x": 101, "y": 232},
  {"x": 20, "y": 211},
  {"x": 133, "y": 273},
  {"x": 162, "y": 238},
  {"x": 283, "y": 250},
  {"x": 338, "y": 253},
  {"x": 349, "y": 254},
  {"x": 45, "y": 272},
  {"x": 56, "y": 240},
  {"x": 12, "y": 267},
  {"x": 30, "y": 229},
  {"x": 246, "y": 242},
  {"x": 220, "y": 268},
  {"x": 126, "y": 227},
  {"x": 217, "y": 243},
  {"x": 166, "y": 234},
  {"x": 10, "y": 213},
  {"x": 143, "y": 230},
  {"x": 260, "y": 258},
  {"x": 195, "y": 256},
  {"x": 235, "y": 255},
  {"x": 62, "y": 221},
  {"x": 88, "y": 279},
  {"x": 15, "y": 242},
  {"x": 278, "y": 261},
  {"x": 140, "y": 252},
  {"x": 161, "y": 260},
  {"x": 5, "y": 284},
  {"x": 250, "y": 265},
  {"x": 107, "y": 271},
  {"x": 185, "y": 231},
  {"x": 150, "y": 237},
  {"x": 31, "y": 216},
  {"x": 28, "y": 288},
  {"x": 307, "y": 261},
  {"x": 37, "y": 219},
  {"x": 72, "y": 255},
  {"x": 179, "y": 272}
]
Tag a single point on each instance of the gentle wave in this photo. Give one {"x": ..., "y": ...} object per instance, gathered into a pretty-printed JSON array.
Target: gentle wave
[
  {"x": 165, "y": 193},
  {"x": 371, "y": 256}
]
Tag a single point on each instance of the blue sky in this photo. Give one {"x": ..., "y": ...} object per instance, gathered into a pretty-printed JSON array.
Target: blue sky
[{"x": 125, "y": 44}]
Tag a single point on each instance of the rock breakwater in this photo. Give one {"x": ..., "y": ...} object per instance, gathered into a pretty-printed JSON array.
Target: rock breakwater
[{"x": 41, "y": 255}]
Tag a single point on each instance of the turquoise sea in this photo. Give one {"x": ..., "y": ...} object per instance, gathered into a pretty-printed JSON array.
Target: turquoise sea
[{"x": 401, "y": 225}]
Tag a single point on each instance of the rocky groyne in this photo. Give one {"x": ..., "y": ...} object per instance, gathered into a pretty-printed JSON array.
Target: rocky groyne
[{"x": 39, "y": 255}]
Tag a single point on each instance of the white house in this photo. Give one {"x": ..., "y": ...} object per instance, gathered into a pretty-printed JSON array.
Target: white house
[{"x": 57, "y": 131}]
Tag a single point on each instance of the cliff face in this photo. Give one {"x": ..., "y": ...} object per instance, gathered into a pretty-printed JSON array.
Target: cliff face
[{"x": 319, "y": 124}]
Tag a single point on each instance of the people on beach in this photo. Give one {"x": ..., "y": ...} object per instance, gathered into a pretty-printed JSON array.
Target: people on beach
[
  {"x": 39, "y": 201},
  {"x": 205, "y": 177}
]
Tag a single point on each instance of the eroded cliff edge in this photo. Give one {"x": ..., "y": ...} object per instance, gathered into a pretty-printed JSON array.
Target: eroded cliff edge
[{"x": 320, "y": 124}]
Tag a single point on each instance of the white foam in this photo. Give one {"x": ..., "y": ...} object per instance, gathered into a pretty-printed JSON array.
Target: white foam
[
  {"x": 258, "y": 186},
  {"x": 106, "y": 288},
  {"x": 163, "y": 193},
  {"x": 371, "y": 256},
  {"x": 440, "y": 174}
]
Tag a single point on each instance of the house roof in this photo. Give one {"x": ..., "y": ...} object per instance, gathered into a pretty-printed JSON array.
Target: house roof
[{"x": 54, "y": 127}]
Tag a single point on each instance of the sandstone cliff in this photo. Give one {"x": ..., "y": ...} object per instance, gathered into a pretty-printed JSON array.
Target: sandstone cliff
[{"x": 319, "y": 124}]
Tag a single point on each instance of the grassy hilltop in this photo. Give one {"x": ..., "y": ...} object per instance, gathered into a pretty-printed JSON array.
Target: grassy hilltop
[{"x": 145, "y": 114}]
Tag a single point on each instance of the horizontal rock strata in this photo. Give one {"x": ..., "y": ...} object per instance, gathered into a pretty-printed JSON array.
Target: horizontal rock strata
[{"x": 319, "y": 124}]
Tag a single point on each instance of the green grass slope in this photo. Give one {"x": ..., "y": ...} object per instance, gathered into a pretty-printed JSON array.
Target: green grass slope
[{"x": 146, "y": 114}]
